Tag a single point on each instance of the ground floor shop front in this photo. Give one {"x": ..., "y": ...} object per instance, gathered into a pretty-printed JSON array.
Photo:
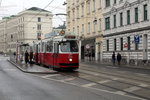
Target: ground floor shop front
[{"x": 133, "y": 46}]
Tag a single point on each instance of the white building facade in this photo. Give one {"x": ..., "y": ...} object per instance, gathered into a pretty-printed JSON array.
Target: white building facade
[
  {"x": 126, "y": 29},
  {"x": 26, "y": 27}
]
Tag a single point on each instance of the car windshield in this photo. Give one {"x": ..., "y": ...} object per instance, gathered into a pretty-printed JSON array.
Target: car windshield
[{"x": 69, "y": 46}]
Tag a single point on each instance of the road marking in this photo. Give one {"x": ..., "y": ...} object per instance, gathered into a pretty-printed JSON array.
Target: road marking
[
  {"x": 46, "y": 76},
  {"x": 141, "y": 74},
  {"x": 88, "y": 72},
  {"x": 131, "y": 89},
  {"x": 101, "y": 90},
  {"x": 143, "y": 85},
  {"x": 69, "y": 79},
  {"x": 104, "y": 81},
  {"x": 112, "y": 67},
  {"x": 88, "y": 85},
  {"x": 10, "y": 69},
  {"x": 120, "y": 92}
]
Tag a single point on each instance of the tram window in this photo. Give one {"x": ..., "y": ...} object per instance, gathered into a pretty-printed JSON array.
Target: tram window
[
  {"x": 73, "y": 46},
  {"x": 65, "y": 47},
  {"x": 69, "y": 46},
  {"x": 49, "y": 47},
  {"x": 42, "y": 47}
]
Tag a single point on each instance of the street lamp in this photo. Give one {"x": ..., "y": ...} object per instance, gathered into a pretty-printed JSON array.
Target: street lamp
[
  {"x": 61, "y": 14},
  {"x": 64, "y": 4}
]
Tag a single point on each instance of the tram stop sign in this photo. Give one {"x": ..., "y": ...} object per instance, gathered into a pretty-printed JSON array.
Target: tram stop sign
[
  {"x": 87, "y": 46},
  {"x": 137, "y": 39}
]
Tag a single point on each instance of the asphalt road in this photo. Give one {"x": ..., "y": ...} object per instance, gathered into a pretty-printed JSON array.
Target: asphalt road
[{"x": 16, "y": 85}]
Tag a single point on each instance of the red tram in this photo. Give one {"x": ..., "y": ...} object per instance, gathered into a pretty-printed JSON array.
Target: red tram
[{"x": 57, "y": 52}]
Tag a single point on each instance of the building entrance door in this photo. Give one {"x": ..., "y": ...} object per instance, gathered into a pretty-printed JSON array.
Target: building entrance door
[{"x": 145, "y": 47}]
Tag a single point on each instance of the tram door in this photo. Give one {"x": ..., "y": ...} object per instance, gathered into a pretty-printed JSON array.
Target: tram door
[
  {"x": 55, "y": 55},
  {"x": 36, "y": 54}
]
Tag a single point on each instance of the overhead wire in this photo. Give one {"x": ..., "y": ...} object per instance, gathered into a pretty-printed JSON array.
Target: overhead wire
[
  {"x": 0, "y": 3},
  {"x": 41, "y": 10},
  {"x": 57, "y": 7}
]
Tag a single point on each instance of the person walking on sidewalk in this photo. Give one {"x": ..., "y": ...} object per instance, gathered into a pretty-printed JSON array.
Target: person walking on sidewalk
[
  {"x": 26, "y": 57},
  {"x": 119, "y": 58},
  {"x": 31, "y": 57},
  {"x": 113, "y": 58}
]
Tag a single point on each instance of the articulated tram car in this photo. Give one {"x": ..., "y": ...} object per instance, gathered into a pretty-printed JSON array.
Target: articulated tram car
[{"x": 58, "y": 52}]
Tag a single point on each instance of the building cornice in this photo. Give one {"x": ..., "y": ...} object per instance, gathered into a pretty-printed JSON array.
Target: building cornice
[
  {"x": 126, "y": 5},
  {"x": 128, "y": 31}
]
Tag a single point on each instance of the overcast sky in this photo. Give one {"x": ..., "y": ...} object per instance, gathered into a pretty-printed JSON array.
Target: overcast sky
[{"x": 13, "y": 7}]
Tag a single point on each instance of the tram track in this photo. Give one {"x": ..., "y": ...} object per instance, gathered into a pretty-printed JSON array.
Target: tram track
[
  {"x": 119, "y": 75},
  {"x": 115, "y": 88}
]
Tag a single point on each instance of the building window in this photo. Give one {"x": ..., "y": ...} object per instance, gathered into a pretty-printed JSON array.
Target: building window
[
  {"x": 73, "y": 14},
  {"x": 121, "y": 19},
  {"x": 107, "y": 45},
  {"x": 94, "y": 5},
  {"x": 11, "y": 37},
  {"x": 88, "y": 7},
  {"x": 94, "y": 25},
  {"x": 115, "y": 45},
  {"x": 82, "y": 10},
  {"x": 121, "y": 1},
  {"x": 73, "y": 30},
  {"x": 115, "y": 1},
  {"x": 107, "y": 3},
  {"x": 78, "y": 12},
  {"x": 145, "y": 12},
  {"x": 128, "y": 17},
  {"x": 121, "y": 44},
  {"x": 39, "y": 27},
  {"x": 77, "y": 29},
  {"x": 68, "y": 14},
  {"x": 129, "y": 42},
  {"x": 136, "y": 15},
  {"x": 100, "y": 25},
  {"x": 39, "y": 19},
  {"x": 82, "y": 28},
  {"x": 99, "y": 3},
  {"x": 89, "y": 27},
  {"x": 115, "y": 21},
  {"x": 39, "y": 36},
  {"x": 107, "y": 23}
]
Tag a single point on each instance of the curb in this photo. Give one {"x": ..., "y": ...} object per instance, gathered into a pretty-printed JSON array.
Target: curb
[
  {"x": 121, "y": 66},
  {"x": 55, "y": 72}
]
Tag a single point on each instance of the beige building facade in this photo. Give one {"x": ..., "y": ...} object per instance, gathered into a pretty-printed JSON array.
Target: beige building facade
[
  {"x": 84, "y": 19},
  {"x": 26, "y": 27}
]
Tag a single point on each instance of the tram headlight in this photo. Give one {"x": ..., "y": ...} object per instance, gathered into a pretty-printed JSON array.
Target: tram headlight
[{"x": 70, "y": 59}]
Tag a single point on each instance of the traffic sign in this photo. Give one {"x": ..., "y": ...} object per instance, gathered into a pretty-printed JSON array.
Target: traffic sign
[
  {"x": 126, "y": 45},
  {"x": 87, "y": 46},
  {"x": 136, "y": 38}
]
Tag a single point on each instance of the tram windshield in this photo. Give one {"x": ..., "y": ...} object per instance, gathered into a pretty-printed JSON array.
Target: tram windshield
[{"x": 69, "y": 46}]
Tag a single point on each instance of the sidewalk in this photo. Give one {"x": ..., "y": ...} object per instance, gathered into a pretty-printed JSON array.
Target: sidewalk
[
  {"x": 32, "y": 68},
  {"x": 101, "y": 64}
]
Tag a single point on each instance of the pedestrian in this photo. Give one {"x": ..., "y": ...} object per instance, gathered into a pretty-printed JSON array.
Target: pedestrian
[
  {"x": 14, "y": 54},
  {"x": 26, "y": 57},
  {"x": 31, "y": 56},
  {"x": 93, "y": 54},
  {"x": 119, "y": 58},
  {"x": 113, "y": 58}
]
